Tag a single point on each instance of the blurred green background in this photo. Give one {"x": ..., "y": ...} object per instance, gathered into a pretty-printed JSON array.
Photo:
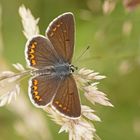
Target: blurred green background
[{"x": 112, "y": 30}]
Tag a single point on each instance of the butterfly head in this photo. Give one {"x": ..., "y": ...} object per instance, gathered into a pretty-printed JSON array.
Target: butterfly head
[{"x": 73, "y": 68}]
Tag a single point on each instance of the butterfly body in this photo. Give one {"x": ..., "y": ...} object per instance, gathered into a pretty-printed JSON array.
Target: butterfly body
[
  {"x": 50, "y": 56},
  {"x": 59, "y": 70}
]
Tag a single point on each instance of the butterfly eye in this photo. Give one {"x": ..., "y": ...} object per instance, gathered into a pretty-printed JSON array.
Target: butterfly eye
[{"x": 72, "y": 70}]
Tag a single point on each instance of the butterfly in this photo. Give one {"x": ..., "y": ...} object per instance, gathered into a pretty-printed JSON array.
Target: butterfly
[{"x": 50, "y": 58}]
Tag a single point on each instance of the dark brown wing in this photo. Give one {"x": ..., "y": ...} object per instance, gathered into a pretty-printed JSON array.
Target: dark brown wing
[
  {"x": 40, "y": 53},
  {"x": 61, "y": 34},
  {"x": 66, "y": 100},
  {"x": 42, "y": 89}
]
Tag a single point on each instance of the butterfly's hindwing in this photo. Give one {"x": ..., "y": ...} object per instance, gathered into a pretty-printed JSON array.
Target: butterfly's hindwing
[
  {"x": 42, "y": 89},
  {"x": 66, "y": 100}
]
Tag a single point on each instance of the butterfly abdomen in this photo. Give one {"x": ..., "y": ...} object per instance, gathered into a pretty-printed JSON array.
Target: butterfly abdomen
[{"x": 43, "y": 71}]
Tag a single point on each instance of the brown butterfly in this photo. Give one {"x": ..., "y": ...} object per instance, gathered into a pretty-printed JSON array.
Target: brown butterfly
[{"x": 51, "y": 55}]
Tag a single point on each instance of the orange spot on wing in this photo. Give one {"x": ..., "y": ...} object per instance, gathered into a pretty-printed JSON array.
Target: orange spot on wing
[
  {"x": 58, "y": 25},
  {"x": 32, "y": 51},
  {"x": 60, "y": 105},
  {"x": 31, "y": 56},
  {"x": 57, "y": 102},
  {"x": 33, "y": 46},
  {"x": 35, "y": 82},
  {"x": 33, "y": 62},
  {"x": 35, "y": 87},
  {"x": 35, "y": 93},
  {"x": 37, "y": 97},
  {"x": 54, "y": 29}
]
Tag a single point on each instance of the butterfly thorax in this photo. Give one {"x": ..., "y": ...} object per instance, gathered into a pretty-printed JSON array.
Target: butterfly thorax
[{"x": 62, "y": 69}]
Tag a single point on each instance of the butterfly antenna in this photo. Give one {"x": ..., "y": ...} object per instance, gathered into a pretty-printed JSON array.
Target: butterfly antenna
[{"x": 78, "y": 58}]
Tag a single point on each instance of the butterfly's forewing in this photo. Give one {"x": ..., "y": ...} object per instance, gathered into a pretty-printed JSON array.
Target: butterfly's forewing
[
  {"x": 39, "y": 52},
  {"x": 66, "y": 100},
  {"x": 61, "y": 34},
  {"x": 42, "y": 89}
]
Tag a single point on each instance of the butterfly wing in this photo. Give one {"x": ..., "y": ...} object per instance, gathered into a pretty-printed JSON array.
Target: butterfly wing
[
  {"x": 40, "y": 52},
  {"x": 61, "y": 34},
  {"x": 42, "y": 89},
  {"x": 66, "y": 99}
]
